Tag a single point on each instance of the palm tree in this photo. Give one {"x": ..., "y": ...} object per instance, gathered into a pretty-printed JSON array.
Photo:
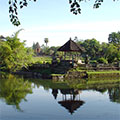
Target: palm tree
[{"x": 46, "y": 41}]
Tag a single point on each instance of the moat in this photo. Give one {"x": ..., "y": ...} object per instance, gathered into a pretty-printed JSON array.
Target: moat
[{"x": 35, "y": 99}]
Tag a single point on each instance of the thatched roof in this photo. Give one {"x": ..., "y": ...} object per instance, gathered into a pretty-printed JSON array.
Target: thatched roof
[
  {"x": 2, "y": 37},
  {"x": 70, "y": 46},
  {"x": 71, "y": 105}
]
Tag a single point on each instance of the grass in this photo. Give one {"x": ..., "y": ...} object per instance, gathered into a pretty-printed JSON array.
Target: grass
[
  {"x": 57, "y": 75},
  {"x": 102, "y": 72},
  {"x": 41, "y": 59}
]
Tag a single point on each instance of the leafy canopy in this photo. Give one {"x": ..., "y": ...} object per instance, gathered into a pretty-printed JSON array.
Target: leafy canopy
[
  {"x": 102, "y": 52},
  {"x": 13, "y": 54},
  {"x": 114, "y": 38},
  {"x": 15, "y": 4}
]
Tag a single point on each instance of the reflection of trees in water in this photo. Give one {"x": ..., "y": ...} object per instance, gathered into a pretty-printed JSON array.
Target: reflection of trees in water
[
  {"x": 102, "y": 88},
  {"x": 114, "y": 94},
  {"x": 70, "y": 99},
  {"x": 55, "y": 93},
  {"x": 13, "y": 90}
]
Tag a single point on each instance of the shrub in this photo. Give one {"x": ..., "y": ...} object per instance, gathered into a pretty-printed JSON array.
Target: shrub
[
  {"x": 39, "y": 62},
  {"x": 93, "y": 62},
  {"x": 102, "y": 60},
  {"x": 48, "y": 62}
]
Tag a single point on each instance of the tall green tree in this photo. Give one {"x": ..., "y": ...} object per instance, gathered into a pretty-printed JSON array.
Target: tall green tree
[
  {"x": 103, "y": 50},
  {"x": 112, "y": 53},
  {"x": 114, "y": 38},
  {"x": 92, "y": 48},
  {"x": 13, "y": 53}
]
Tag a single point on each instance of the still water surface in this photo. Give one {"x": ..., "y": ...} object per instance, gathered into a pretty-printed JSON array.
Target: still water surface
[{"x": 29, "y": 100}]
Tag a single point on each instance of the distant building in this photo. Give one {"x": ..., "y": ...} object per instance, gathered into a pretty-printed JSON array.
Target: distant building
[
  {"x": 36, "y": 48},
  {"x": 2, "y": 38}
]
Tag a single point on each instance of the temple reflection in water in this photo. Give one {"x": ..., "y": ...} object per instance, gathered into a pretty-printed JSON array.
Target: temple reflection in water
[{"x": 70, "y": 99}]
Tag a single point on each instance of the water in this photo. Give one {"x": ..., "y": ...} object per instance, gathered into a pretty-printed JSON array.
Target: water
[{"x": 34, "y": 99}]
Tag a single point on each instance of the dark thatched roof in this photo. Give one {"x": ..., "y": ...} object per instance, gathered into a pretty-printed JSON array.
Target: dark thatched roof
[
  {"x": 70, "y": 46},
  {"x": 2, "y": 37},
  {"x": 71, "y": 105}
]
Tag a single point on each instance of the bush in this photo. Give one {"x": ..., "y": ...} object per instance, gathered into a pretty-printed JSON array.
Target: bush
[
  {"x": 48, "y": 62},
  {"x": 93, "y": 62},
  {"x": 102, "y": 60},
  {"x": 39, "y": 62}
]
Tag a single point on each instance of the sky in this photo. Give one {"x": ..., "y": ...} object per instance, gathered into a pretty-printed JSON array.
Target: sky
[{"x": 52, "y": 19}]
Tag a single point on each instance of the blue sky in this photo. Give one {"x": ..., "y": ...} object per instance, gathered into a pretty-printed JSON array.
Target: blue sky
[{"x": 53, "y": 19}]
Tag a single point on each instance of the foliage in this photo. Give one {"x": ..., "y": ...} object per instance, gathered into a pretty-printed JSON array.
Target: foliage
[
  {"x": 42, "y": 59},
  {"x": 95, "y": 51},
  {"x": 15, "y": 4},
  {"x": 112, "y": 53},
  {"x": 13, "y": 10},
  {"x": 102, "y": 72},
  {"x": 102, "y": 60},
  {"x": 93, "y": 61},
  {"x": 92, "y": 48},
  {"x": 13, "y": 54},
  {"x": 45, "y": 50},
  {"x": 103, "y": 51},
  {"x": 114, "y": 38}
]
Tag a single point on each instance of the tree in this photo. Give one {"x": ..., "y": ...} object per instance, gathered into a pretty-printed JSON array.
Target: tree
[
  {"x": 15, "y": 4},
  {"x": 44, "y": 50},
  {"x": 112, "y": 53},
  {"x": 92, "y": 48},
  {"x": 114, "y": 38},
  {"x": 46, "y": 41},
  {"x": 13, "y": 54},
  {"x": 34, "y": 46}
]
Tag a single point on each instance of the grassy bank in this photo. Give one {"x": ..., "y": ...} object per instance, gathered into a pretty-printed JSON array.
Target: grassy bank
[
  {"x": 42, "y": 59},
  {"x": 102, "y": 72}
]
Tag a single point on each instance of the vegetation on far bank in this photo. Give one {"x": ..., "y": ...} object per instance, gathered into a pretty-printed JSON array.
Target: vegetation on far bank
[
  {"x": 103, "y": 72},
  {"x": 41, "y": 59},
  {"x": 15, "y": 56}
]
